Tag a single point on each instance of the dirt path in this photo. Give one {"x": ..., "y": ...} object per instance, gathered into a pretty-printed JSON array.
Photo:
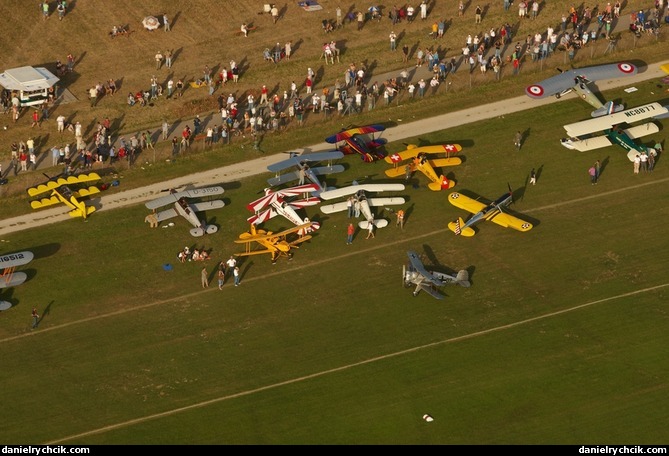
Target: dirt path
[{"x": 239, "y": 171}]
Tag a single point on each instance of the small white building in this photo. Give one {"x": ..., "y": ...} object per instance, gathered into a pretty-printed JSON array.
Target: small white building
[{"x": 31, "y": 85}]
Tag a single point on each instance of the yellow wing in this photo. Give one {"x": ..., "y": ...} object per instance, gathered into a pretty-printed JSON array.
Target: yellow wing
[
  {"x": 54, "y": 184},
  {"x": 413, "y": 150},
  {"x": 510, "y": 221},
  {"x": 465, "y": 202}
]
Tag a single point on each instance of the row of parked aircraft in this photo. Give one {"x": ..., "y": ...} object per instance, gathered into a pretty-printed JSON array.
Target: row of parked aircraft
[{"x": 611, "y": 124}]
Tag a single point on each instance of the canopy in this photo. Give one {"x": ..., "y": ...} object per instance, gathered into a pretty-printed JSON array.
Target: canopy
[
  {"x": 150, "y": 22},
  {"x": 27, "y": 79}
]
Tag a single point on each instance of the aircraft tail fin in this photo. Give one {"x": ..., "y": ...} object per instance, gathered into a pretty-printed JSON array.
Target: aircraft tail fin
[
  {"x": 607, "y": 109},
  {"x": 459, "y": 228},
  {"x": 462, "y": 278}
]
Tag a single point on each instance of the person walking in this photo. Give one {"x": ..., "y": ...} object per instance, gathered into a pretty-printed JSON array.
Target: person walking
[
  {"x": 533, "y": 177},
  {"x": 35, "y": 316},
  {"x": 518, "y": 140},
  {"x": 205, "y": 277},
  {"x": 370, "y": 229},
  {"x": 350, "y": 231}
]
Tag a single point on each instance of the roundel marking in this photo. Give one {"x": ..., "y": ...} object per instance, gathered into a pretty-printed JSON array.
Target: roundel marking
[
  {"x": 455, "y": 195},
  {"x": 525, "y": 226},
  {"x": 536, "y": 90},
  {"x": 626, "y": 67}
]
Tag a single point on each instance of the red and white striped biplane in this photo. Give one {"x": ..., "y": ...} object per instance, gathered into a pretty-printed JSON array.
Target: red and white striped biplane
[{"x": 278, "y": 202}]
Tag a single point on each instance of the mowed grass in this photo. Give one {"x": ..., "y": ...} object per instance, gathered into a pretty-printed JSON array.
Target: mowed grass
[{"x": 559, "y": 340}]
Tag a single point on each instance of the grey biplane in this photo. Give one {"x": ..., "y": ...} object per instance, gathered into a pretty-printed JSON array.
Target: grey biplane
[
  {"x": 186, "y": 209},
  {"x": 303, "y": 169},
  {"x": 416, "y": 274},
  {"x": 581, "y": 81}
]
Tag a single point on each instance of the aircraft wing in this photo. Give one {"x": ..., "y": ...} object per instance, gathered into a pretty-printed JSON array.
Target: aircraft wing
[
  {"x": 602, "y": 123},
  {"x": 301, "y": 203},
  {"x": 412, "y": 151},
  {"x": 166, "y": 214},
  {"x": 642, "y": 130},
  {"x": 466, "y": 203},
  {"x": 352, "y": 189},
  {"x": 311, "y": 157},
  {"x": 583, "y": 145},
  {"x": 331, "y": 208},
  {"x": 298, "y": 190},
  {"x": 58, "y": 182},
  {"x": 343, "y": 135},
  {"x": 12, "y": 260},
  {"x": 13, "y": 279},
  {"x": 566, "y": 80},
  {"x": 417, "y": 264},
  {"x": 441, "y": 162},
  {"x": 283, "y": 178},
  {"x": 162, "y": 201},
  {"x": 385, "y": 201},
  {"x": 429, "y": 289},
  {"x": 207, "y": 205},
  {"x": 201, "y": 192},
  {"x": 323, "y": 170},
  {"x": 509, "y": 221}
]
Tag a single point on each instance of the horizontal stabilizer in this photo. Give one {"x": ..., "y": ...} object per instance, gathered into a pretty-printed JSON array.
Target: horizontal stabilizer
[
  {"x": 83, "y": 211},
  {"x": 459, "y": 228},
  {"x": 462, "y": 278},
  {"x": 380, "y": 223}
]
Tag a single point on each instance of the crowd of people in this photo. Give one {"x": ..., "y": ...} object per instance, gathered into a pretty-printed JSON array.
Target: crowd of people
[{"x": 258, "y": 111}]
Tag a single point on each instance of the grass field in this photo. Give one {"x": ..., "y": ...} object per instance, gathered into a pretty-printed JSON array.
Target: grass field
[
  {"x": 557, "y": 341},
  {"x": 560, "y": 340}
]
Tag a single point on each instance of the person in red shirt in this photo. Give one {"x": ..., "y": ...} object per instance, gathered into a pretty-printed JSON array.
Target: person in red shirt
[
  {"x": 350, "y": 231},
  {"x": 35, "y": 119}
]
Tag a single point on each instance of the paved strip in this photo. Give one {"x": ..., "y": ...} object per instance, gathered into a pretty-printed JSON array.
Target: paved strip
[{"x": 239, "y": 171}]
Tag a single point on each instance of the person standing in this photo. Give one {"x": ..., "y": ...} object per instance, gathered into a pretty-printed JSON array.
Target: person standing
[
  {"x": 35, "y": 316},
  {"x": 339, "y": 18},
  {"x": 205, "y": 277},
  {"x": 598, "y": 170},
  {"x": 168, "y": 58},
  {"x": 478, "y": 13},
  {"x": 400, "y": 218},
  {"x": 275, "y": 13},
  {"x": 423, "y": 10},
  {"x": 166, "y": 23},
  {"x": 593, "y": 175},
  {"x": 350, "y": 231},
  {"x": 159, "y": 60},
  {"x": 36, "y": 121},
  {"x": 518, "y": 140},
  {"x": 361, "y": 20},
  {"x": 237, "y": 276},
  {"x": 393, "y": 41},
  {"x": 533, "y": 177},
  {"x": 221, "y": 276}
]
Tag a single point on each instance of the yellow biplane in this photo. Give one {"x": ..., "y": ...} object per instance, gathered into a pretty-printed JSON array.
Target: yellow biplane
[
  {"x": 276, "y": 244},
  {"x": 416, "y": 158},
  {"x": 59, "y": 191}
]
